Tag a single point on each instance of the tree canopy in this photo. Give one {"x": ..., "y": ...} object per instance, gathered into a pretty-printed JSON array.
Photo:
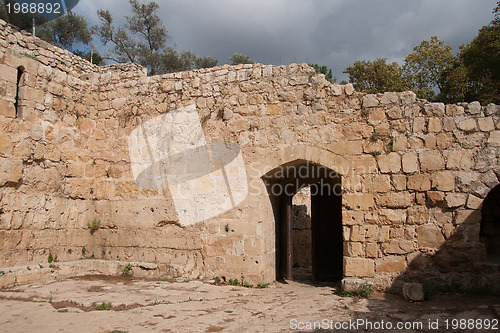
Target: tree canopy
[
  {"x": 376, "y": 76},
  {"x": 238, "y": 58},
  {"x": 143, "y": 40},
  {"x": 474, "y": 74}
]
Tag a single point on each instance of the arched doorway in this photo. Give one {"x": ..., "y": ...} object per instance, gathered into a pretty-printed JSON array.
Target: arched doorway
[
  {"x": 490, "y": 225},
  {"x": 326, "y": 217}
]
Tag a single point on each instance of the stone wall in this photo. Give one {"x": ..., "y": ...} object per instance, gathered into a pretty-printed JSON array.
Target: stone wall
[{"x": 414, "y": 173}]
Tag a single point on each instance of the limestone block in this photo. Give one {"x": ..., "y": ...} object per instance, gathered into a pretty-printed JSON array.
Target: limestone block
[
  {"x": 370, "y": 100},
  {"x": 467, "y": 216},
  {"x": 377, "y": 183},
  {"x": 353, "y": 249},
  {"x": 435, "y": 197},
  {"x": 7, "y": 109},
  {"x": 390, "y": 264},
  {"x": 474, "y": 107},
  {"x": 389, "y": 98},
  {"x": 390, "y": 163},
  {"x": 359, "y": 201},
  {"x": 492, "y": 109},
  {"x": 392, "y": 216},
  {"x": 443, "y": 181},
  {"x": 370, "y": 146},
  {"x": 11, "y": 171},
  {"x": 395, "y": 112},
  {"x": 8, "y": 73},
  {"x": 408, "y": 97},
  {"x": 418, "y": 215},
  {"x": 399, "y": 182},
  {"x": 460, "y": 160},
  {"x": 336, "y": 89},
  {"x": 435, "y": 125},
  {"x": 455, "y": 200},
  {"x": 430, "y": 141},
  {"x": 454, "y": 110},
  {"x": 486, "y": 124},
  {"x": 352, "y": 217},
  {"x": 349, "y": 89},
  {"x": 6, "y": 144},
  {"x": 474, "y": 202},
  {"x": 78, "y": 188},
  {"x": 346, "y": 148},
  {"x": 429, "y": 235},
  {"x": 398, "y": 246},
  {"x": 400, "y": 143},
  {"x": 434, "y": 109},
  {"x": 395, "y": 200},
  {"x": 357, "y": 131},
  {"x": 467, "y": 125},
  {"x": 449, "y": 124},
  {"x": 371, "y": 250},
  {"x": 363, "y": 164},
  {"x": 351, "y": 284},
  {"x": 359, "y": 267},
  {"x": 430, "y": 160},
  {"x": 410, "y": 163},
  {"x": 419, "y": 182},
  {"x": 494, "y": 139}
]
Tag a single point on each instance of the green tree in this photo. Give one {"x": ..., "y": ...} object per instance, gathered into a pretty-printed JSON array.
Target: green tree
[
  {"x": 476, "y": 74},
  {"x": 66, "y": 31},
  {"x": 143, "y": 40},
  {"x": 324, "y": 70},
  {"x": 376, "y": 76},
  {"x": 239, "y": 58},
  {"x": 424, "y": 67}
]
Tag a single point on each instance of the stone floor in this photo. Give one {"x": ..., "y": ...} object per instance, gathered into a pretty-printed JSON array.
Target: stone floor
[{"x": 194, "y": 306}]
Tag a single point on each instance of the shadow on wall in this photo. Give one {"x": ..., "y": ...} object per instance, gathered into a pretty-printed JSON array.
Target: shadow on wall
[{"x": 468, "y": 260}]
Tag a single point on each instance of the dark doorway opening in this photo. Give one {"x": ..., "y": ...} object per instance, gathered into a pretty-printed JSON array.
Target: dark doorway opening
[
  {"x": 326, "y": 249},
  {"x": 490, "y": 225}
]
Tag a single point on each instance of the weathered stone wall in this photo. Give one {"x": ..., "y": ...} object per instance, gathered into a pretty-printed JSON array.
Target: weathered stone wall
[{"x": 414, "y": 173}]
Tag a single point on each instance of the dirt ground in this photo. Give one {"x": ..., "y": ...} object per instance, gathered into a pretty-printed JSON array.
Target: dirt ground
[{"x": 133, "y": 305}]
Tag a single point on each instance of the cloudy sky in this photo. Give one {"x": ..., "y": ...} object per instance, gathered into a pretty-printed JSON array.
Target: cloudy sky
[{"x": 328, "y": 32}]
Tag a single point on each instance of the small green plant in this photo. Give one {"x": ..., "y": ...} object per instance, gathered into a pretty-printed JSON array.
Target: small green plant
[
  {"x": 70, "y": 251},
  {"x": 365, "y": 113},
  {"x": 103, "y": 252},
  {"x": 94, "y": 225},
  {"x": 390, "y": 146},
  {"x": 39, "y": 265},
  {"x": 204, "y": 119},
  {"x": 246, "y": 284},
  {"x": 262, "y": 285},
  {"x": 363, "y": 291},
  {"x": 217, "y": 280},
  {"x": 31, "y": 56},
  {"x": 127, "y": 270},
  {"x": 50, "y": 259},
  {"x": 234, "y": 282},
  {"x": 374, "y": 137},
  {"x": 220, "y": 114},
  {"x": 52, "y": 266},
  {"x": 375, "y": 153},
  {"x": 28, "y": 268},
  {"x": 103, "y": 306},
  {"x": 84, "y": 251}
]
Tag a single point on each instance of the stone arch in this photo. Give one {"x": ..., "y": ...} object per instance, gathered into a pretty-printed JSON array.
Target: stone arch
[
  {"x": 297, "y": 169},
  {"x": 286, "y": 154},
  {"x": 490, "y": 225}
]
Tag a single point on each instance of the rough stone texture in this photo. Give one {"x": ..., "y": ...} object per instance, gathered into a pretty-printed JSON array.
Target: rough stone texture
[
  {"x": 414, "y": 173},
  {"x": 413, "y": 292}
]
